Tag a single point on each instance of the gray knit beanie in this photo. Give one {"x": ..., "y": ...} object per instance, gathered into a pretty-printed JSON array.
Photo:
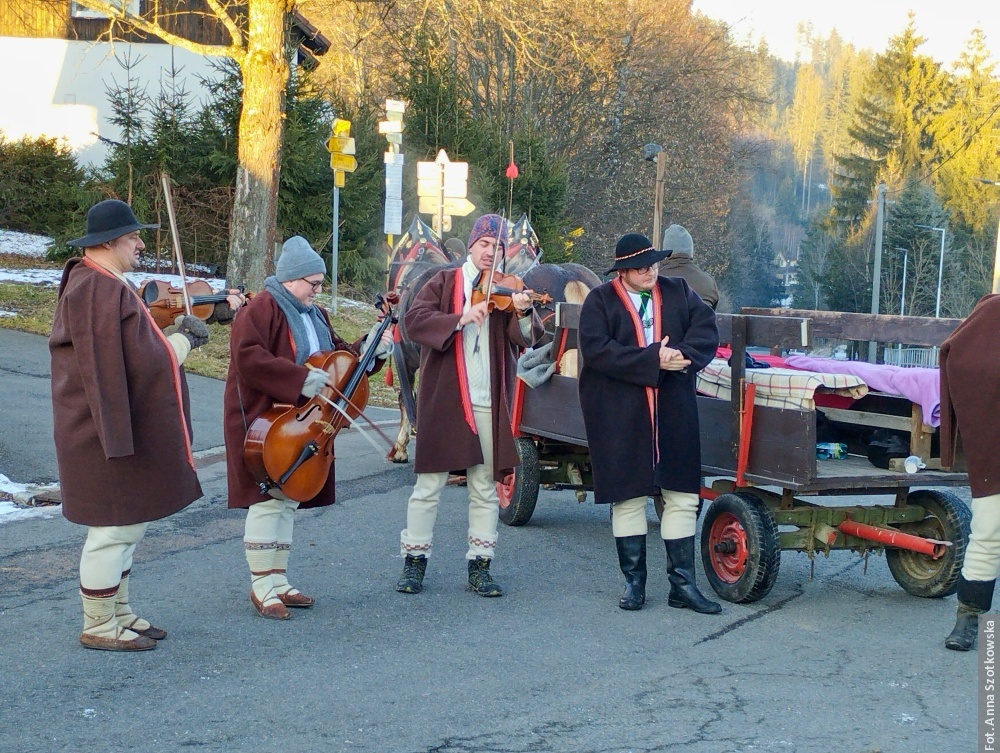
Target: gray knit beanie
[
  {"x": 678, "y": 240},
  {"x": 298, "y": 260}
]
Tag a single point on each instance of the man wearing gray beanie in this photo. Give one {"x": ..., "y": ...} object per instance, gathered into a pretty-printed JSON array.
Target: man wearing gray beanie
[
  {"x": 680, "y": 263},
  {"x": 271, "y": 340}
]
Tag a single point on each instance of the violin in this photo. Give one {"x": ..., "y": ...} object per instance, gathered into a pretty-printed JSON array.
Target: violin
[
  {"x": 291, "y": 447},
  {"x": 166, "y": 301},
  {"x": 499, "y": 289}
]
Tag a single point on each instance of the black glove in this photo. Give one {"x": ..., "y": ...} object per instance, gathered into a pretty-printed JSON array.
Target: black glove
[
  {"x": 223, "y": 313},
  {"x": 193, "y": 329}
]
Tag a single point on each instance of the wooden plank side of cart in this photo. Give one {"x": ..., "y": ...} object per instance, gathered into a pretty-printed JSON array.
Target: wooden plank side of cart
[{"x": 782, "y": 449}]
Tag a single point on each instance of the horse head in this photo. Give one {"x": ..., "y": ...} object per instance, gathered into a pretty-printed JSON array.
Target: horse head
[
  {"x": 523, "y": 248},
  {"x": 419, "y": 246}
]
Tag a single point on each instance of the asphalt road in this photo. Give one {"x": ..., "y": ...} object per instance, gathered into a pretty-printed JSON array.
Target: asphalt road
[{"x": 842, "y": 661}]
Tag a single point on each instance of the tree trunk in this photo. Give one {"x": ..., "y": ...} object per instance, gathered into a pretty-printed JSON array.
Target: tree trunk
[{"x": 265, "y": 70}]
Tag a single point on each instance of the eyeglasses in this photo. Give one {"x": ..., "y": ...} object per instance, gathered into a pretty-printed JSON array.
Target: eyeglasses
[
  {"x": 647, "y": 270},
  {"x": 316, "y": 286}
]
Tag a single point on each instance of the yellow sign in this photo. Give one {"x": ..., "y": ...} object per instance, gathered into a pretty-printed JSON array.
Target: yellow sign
[
  {"x": 344, "y": 162},
  {"x": 339, "y": 178},
  {"x": 341, "y": 144},
  {"x": 341, "y": 127}
]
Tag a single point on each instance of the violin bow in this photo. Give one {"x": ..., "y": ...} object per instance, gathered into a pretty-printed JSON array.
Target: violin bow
[
  {"x": 178, "y": 255},
  {"x": 493, "y": 269}
]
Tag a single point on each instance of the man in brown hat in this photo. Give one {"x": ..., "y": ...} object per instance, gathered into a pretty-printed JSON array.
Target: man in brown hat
[
  {"x": 121, "y": 423},
  {"x": 643, "y": 338}
]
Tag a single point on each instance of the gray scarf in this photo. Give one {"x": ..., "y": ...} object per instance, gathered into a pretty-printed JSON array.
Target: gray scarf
[{"x": 292, "y": 308}]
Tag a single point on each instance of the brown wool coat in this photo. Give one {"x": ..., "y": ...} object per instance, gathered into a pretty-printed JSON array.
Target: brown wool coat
[
  {"x": 262, "y": 371},
  {"x": 970, "y": 396},
  {"x": 119, "y": 405},
  {"x": 445, "y": 440}
]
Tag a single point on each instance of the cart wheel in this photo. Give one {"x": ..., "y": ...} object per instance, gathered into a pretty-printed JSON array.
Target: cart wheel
[
  {"x": 739, "y": 548},
  {"x": 947, "y": 519},
  {"x": 518, "y": 492}
]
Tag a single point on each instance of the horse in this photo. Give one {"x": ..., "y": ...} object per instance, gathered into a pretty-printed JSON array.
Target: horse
[{"x": 419, "y": 255}]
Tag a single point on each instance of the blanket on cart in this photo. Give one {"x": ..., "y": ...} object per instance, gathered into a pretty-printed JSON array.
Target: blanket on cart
[
  {"x": 918, "y": 385},
  {"x": 780, "y": 388}
]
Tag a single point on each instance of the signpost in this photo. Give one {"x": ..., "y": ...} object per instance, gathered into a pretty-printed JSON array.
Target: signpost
[
  {"x": 392, "y": 129},
  {"x": 342, "y": 161},
  {"x": 442, "y": 186}
]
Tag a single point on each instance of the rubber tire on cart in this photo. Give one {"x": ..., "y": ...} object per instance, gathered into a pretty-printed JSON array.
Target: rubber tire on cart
[
  {"x": 948, "y": 519},
  {"x": 518, "y": 493},
  {"x": 746, "y": 570}
]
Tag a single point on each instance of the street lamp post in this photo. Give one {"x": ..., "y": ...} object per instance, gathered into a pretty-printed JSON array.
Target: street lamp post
[
  {"x": 902, "y": 295},
  {"x": 943, "y": 231},
  {"x": 996, "y": 258}
]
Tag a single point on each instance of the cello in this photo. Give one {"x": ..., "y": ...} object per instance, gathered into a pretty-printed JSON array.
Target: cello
[{"x": 290, "y": 448}]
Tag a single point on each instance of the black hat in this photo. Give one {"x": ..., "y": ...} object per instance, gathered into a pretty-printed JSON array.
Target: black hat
[
  {"x": 108, "y": 220},
  {"x": 636, "y": 250}
]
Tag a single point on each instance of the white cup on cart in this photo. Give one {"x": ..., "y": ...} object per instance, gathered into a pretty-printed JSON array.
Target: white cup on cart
[{"x": 913, "y": 464}]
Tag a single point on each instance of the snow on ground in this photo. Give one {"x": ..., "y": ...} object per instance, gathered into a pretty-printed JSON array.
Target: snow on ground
[
  {"x": 10, "y": 512},
  {"x": 23, "y": 244}
]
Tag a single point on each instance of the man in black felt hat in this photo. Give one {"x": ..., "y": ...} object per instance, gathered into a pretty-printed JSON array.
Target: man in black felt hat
[
  {"x": 121, "y": 420},
  {"x": 643, "y": 338}
]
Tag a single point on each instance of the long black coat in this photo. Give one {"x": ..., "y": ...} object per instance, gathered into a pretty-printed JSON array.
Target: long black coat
[{"x": 642, "y": 422}]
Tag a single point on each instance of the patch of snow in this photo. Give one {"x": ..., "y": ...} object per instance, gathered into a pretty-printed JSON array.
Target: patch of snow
[
  {"x": 10, "y": 512},
  {"x": 51, "y": 277},
  {"x": 23, "y": 244},
  {"x": 8, "y": 313}
]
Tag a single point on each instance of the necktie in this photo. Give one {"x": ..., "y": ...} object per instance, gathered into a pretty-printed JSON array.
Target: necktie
[{"x": 643, "y": 303}]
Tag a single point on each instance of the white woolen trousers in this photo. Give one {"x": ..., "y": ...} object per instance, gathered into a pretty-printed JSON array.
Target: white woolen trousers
[
  {"x": 982, "y": 556},
  {"x": 680, "y": 513},
  {"x": 484, "y": 505},
  {"x": 107, "y": 553}
]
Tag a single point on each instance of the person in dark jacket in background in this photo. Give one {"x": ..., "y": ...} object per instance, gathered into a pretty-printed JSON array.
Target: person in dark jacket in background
[
  {"x": 643, "y": 338},
  {"x": 677, "y": 242}
]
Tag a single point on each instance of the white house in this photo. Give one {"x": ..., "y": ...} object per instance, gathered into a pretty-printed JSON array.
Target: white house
[{"x": 60, "y": 61}]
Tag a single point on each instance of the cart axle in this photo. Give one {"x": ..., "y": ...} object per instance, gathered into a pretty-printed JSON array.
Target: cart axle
[{"x": 891, "y": 537}]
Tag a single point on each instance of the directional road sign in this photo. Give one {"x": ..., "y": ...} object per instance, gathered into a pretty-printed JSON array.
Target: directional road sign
[{"x": 345, "y": 162}]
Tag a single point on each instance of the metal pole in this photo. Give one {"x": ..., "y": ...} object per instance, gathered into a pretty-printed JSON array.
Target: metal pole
[
  {"x": 877, "y": 272},
  {"x": 902, "y": 296},
  {"x": 335, "y": 248},
  {"x": 937, "y": 306}
]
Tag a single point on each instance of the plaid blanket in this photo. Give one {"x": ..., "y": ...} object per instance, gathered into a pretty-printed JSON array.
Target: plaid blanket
[{"x": 780, "y": 388}]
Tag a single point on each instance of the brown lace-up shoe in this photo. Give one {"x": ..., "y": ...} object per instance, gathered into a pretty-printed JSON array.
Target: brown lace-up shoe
[{"x": 271, "y": 611}]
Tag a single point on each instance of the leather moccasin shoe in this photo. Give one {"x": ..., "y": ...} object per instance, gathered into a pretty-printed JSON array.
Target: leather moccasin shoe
[
  {"x": 151, "y": 632},
  {"x": 271, "y": 611},
  {"x": 297, "y": 600},
  {"x": 139, "y": 643}
]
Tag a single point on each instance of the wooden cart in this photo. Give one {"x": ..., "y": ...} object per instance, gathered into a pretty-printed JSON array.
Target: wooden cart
[{"x": 762, "y": 462}]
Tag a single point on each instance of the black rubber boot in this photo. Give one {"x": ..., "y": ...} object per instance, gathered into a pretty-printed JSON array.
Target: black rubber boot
[
  {"x": 412, "y": 580},
  {"x": 974, "y": 598},
  {"x": 480, "y": 579},
  {"x": 684, "y": 593},
  {"x": 632, "y": 561}
]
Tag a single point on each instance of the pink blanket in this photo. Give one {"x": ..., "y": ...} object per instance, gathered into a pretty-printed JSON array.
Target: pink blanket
[{"x": 921, "y": 386}]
